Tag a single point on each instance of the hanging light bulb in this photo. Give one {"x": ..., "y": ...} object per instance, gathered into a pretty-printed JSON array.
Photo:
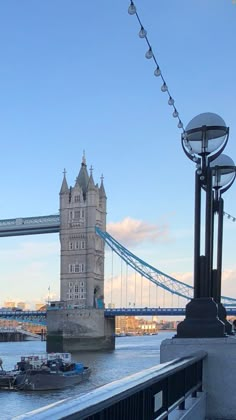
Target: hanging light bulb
[
  {"x": 233, "y": 219},
  {"x": 175, "y": 113},
  {"x": 190, "y": 150},
  {"x": 157, "y": 72},
  {"x": 171, "y": 101},
  {"x": 164, "y": 87},
  {"x": 202, "y": 178},
  {"x": 149, "y": 53},
  {"x": 186, "y": 143},
  {"x": 132, "y": 9},
  {"x": 199, "y": 172},
  {"x": 180, "y": 124},
  {"x": 228, "y": 216},
  {"x": 142, "y": 32}
]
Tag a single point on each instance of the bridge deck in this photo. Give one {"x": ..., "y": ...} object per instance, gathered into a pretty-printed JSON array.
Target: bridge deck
[
  {"x": 30, "y": 225},
  {"x": 27, "y": 315}
]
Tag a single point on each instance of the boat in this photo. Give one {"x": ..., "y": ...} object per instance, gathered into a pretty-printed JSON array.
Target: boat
[{"x": 46, "y": 372}]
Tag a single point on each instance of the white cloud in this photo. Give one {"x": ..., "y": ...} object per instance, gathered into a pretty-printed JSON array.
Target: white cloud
[{"x": 132, "y": 232}]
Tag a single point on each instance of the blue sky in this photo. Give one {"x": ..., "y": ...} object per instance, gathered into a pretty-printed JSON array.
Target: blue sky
[{"x": 74, "y": 77}]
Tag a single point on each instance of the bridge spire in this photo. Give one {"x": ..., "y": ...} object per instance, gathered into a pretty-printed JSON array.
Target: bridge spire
[
  {"x": 64, "y": 185},
  {"x": 82, "y": 179},
  {"x": 83, "y": 158},
  {"x": 102, "y": 192},
  {"x": 91, "y": 184}
]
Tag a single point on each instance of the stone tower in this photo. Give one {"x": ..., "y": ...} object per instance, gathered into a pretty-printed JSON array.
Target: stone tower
[
  {"x": 82, "y": 207},
  {"x": 77, "y": 322}
]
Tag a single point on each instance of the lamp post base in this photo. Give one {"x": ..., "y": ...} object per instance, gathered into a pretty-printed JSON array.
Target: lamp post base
[
  {"x": 222, "y": 314},
  {"x": 201, "y": 320}
]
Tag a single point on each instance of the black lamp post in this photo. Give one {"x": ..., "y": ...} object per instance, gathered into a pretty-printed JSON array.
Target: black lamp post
[
  {"x": 203, "y": 142},
  {"x": 223, "y": 176}
]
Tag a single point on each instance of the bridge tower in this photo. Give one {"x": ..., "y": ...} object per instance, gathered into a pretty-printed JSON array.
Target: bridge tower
[
  {"x": 82, "y": 207},
  {"x": 77, "y": 321}
]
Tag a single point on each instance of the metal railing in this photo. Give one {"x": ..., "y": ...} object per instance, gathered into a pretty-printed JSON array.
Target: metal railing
[{"x": 147, "y": 395}]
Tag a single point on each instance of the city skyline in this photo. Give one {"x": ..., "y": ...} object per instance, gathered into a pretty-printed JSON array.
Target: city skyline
[{"x": 76, "y": 78}]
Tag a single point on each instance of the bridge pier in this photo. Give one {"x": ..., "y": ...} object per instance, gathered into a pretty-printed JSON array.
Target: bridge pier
[{"x": 74, "y": 329}]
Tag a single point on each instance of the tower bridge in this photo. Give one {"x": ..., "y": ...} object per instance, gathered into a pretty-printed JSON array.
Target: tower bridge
[{"x": 82, "y": 322}]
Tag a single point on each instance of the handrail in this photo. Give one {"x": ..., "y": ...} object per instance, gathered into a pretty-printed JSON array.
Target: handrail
[{"x": 155, "y": 391}]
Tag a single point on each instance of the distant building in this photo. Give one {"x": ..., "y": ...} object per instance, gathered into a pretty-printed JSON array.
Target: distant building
[
  {"x": 40, "y": 306},
  {"x": 9, "y": 304},
  {"x": 21, "y": 305},
  {"x": 131, "y": 324}
]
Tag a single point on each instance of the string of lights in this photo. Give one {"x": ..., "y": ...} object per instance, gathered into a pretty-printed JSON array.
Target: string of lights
[
  {"x": 132, "y": 10},
  {"x": 230, "y": 217}
]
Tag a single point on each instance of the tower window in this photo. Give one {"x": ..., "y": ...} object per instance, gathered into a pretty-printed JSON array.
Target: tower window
[
  {"x": 77, "y": 214},
  {"x": 71, "y": 268},
  {"x": 77, "y": 198},
  {"x": 82, "y": 244},
  {"x": 76, "y": 245},
  {"x": 77, "y": 268},
  {"x": 81, "y": 268},
  {"x": 70, "y": 245}
]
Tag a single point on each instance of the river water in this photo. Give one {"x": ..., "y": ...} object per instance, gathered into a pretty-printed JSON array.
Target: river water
[{"x": 131, "y": 355}]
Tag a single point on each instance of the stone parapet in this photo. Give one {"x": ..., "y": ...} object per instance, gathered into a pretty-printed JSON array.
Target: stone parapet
[{"x": 219, "y": 371}]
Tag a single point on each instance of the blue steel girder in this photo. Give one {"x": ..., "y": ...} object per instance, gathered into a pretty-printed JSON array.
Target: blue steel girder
[
  {"x": 111, "y": 312},
  {"x": 156, "y": 276},
  {"x": 31, "y": 317},
  {"x": 30, "y": 225},
  {"x": 108, "y": 313}
]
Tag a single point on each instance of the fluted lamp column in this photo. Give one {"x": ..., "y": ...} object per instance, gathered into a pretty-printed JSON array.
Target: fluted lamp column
[
  {"x": 204, "y": 139},
  {"x": 223, "y": 175}
]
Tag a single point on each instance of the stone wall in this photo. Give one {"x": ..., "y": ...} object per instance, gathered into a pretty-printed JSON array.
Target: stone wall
[
  {"x": 219, "y": 370},
  {"x": 72, "y": 330}
]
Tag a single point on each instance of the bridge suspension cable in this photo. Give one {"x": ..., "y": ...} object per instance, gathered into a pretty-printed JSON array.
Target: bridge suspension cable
[
  {"x": 151, "y": 273},
  {"x": 146, "y": 270}
]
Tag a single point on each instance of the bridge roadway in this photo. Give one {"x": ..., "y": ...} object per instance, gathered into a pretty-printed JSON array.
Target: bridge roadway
[
  {"x": 29, "y": 316},
  {"x": 30, "y": 225}
]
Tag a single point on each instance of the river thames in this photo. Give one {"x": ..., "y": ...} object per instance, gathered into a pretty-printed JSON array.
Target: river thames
[{"x": 131, "y": 355}]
